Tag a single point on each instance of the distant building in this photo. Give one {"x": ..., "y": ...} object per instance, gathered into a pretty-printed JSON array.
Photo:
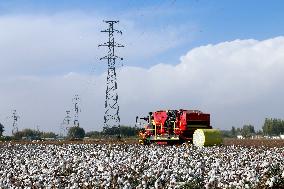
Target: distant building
[
  {"x": 256, "y": 137},
  {"x": 240, "y": 137},
  {"x": 48, "y": 139}
]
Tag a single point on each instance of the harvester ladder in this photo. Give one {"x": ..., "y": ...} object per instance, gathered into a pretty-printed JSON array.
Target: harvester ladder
[{"x": 175, "y": 128}]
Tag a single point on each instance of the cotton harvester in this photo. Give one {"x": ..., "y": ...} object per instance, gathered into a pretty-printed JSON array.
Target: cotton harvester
[{"x": 177, "y": 126}]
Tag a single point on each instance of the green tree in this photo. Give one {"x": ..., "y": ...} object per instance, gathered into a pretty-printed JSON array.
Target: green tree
[
  {"x": 27, "y": 133},
  {"x": 1, "y": 129},
  {"x": 76, "y": 133},
  {"x": 266, "y": 128},
  {"x": 111, "y": 131},
  {"x": 248, "y": 130},
  {"x": 93, "y": 134},
  {"x": 259, "y": 132},
  {"x": 129, "y": 131},
  {"x": 48, "y": 135},
  {"x": 18, "y": 135},
  {"x": 33, "y": 134},
  {"x": 122, "y": 130},
  {"x": 239, "y": 131},
  {"x": 233, "y": 132},
  {"x": 226, "y": 133},
  {"x": 273, "y": 126}
]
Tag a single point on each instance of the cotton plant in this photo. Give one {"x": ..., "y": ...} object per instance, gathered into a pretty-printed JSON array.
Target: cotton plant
[{"x": 129, "y": 166}]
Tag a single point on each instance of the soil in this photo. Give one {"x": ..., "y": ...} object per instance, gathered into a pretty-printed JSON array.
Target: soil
[{"x": 227, "y": 142}]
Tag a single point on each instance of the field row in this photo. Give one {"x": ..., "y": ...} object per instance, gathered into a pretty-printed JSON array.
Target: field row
[
  {"x": 226, "y": 142},
  {"x": 136, "y": 166}
]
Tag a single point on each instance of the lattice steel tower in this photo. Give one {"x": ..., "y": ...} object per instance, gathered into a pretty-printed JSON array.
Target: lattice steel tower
[
  {"x": 15, "y": 118},
  {"x": 76, "y": 100},
  {"x": 111, "y": 117}
]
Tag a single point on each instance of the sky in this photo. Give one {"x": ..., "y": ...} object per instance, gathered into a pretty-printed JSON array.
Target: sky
[{"x": 221, "y": 57}]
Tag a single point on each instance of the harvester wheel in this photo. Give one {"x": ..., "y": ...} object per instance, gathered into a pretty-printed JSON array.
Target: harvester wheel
[
  {"x": 141, "y": 141},
  {"x": 144, "y": 142}
]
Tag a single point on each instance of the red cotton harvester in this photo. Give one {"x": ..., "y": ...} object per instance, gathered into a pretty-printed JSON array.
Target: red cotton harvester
[{"x": 172, "y": 126}]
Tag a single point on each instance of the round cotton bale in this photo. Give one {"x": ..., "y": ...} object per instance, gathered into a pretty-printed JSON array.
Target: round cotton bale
[{"x": 207, "y": 137}]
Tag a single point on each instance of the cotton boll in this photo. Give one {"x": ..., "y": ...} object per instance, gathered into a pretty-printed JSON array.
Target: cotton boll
[{"x": 149, "y": 167}]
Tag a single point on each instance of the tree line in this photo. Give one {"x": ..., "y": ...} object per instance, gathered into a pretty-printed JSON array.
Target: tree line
[
  {"x": 123, "y": 131},
  {"x": 271, "y": 127},
  {"x": 74, "y": 133},
  {"x": 245, "y": 131},
  {"x": 33, "y": 134}
]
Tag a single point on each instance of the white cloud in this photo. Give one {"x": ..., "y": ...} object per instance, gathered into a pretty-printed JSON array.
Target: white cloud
[
  {"x": 62, "y": 43},
  {"x": 237, "y": 82}
]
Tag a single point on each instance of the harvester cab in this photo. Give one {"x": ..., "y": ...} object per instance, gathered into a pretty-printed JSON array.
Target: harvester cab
[
  {"x": 148, "y": 119},
  {"x": 147, "y": 122}
]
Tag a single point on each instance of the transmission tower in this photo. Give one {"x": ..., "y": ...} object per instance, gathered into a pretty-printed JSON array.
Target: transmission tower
[
  {"x": 64, "y": 126},
  {"x": 111, "y": 116},
  {"x": 67, "y": 117},
  {"x": 15, "y": 118},
  {"x": 76, "y": 100}
]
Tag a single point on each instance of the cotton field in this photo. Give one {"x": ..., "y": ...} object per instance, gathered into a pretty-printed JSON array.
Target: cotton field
[{"x": 137, "y": 166}]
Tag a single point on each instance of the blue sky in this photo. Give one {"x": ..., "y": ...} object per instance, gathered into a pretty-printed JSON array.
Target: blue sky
[
  {"x": 237, "y": 19},
  {"x": 222, "y": 57},
  {"x": 204, "y": 22}
]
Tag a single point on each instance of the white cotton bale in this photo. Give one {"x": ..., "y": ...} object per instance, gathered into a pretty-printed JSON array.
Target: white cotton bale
[{"x": 207, "y": 137}]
